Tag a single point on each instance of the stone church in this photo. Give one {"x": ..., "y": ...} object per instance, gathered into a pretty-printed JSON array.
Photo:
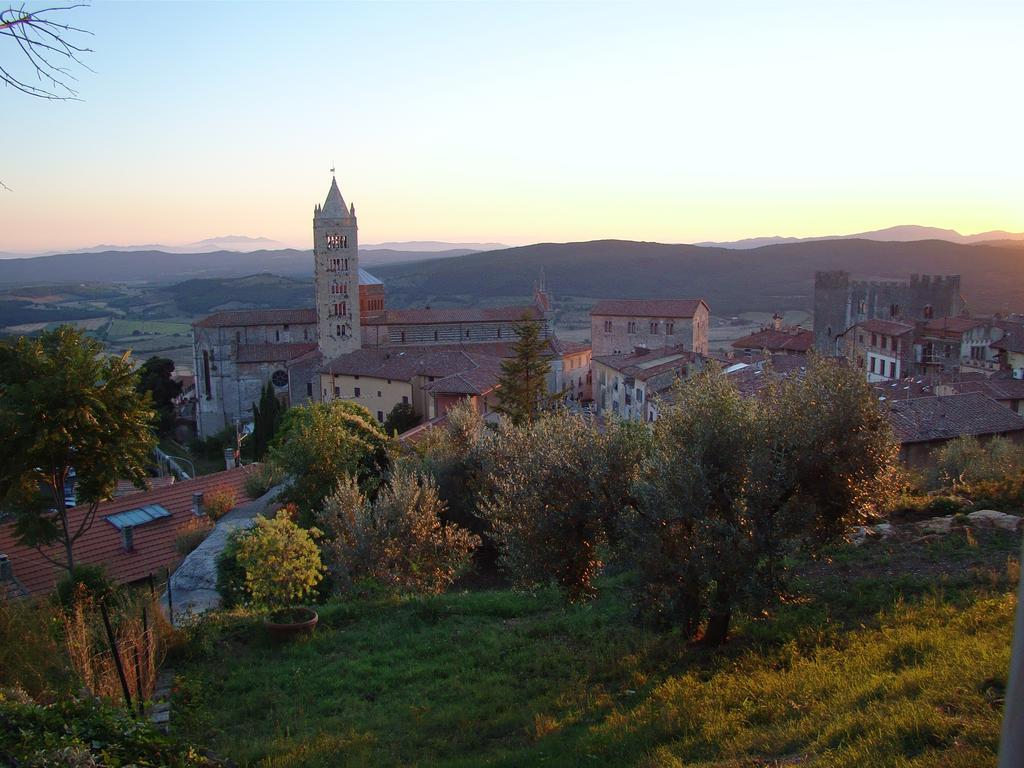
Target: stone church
[{"x": 351, "y": 345}]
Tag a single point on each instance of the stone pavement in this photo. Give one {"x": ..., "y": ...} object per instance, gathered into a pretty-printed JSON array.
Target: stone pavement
[{"x": 194, "y": 584}]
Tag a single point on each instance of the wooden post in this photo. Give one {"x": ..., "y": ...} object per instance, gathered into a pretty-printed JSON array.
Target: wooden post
[
  {"x": 117, "y": 656},
  {"x": 152, "y": 587},
  {"x": 170, "y": 598},
  {"x": 138, "y": 679}
]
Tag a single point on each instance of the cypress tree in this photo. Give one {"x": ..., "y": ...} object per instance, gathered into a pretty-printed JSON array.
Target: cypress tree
[{"x": 523, "y": 380}]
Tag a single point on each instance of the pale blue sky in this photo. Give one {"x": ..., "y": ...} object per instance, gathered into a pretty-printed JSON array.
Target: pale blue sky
[{"x": 522, "y": 122}]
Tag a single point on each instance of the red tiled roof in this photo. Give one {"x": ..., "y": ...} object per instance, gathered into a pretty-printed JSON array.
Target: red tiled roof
[
  {"x": 648, "y": 307},
  {"x": 922, "y": 419},
  {"x": 797, "y": 340},
  {"x": 271, "y": 353},
  {"x": 885, "y": 327},
  {"x": 127, "y": 488},
  {"x": 1012, "y": 341},
  {"x": 953, "y": 324},
  {"x": 101, "y": 543},
  {"x": 248, "y": 317},
  {"x": 996, "y": 388},
  {"x": 446, "y": 315},
  {"x": 644, "y": 364},
  {"x": 473, "y": 381}
]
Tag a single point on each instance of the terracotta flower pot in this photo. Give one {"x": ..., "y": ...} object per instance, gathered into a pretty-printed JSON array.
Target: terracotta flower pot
[{"x": 291, "y": 622}]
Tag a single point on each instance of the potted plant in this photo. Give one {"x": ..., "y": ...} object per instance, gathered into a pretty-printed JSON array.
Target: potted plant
[{"x": 282, "y": 569}]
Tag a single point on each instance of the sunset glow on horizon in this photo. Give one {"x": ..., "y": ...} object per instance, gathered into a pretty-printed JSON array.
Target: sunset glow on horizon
[{"x": 521, "y": 123}]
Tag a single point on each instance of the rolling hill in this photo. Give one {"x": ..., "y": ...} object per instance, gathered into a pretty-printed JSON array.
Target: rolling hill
[{"x": 767, "y": 278}]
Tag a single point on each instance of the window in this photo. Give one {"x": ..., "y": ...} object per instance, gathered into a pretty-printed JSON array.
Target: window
[
  {"x": 357, "y": 392},
  {"x": 435, "y": 335},
  {"x": 861, "y": 307},
  {"x": 309, "y": 389},
  {"x": 337, "y": 330},
  {"x": 334, "y": 241},
  {"x": 885, "y": 340},
  {"x": 405, "y": 400},
  {"x": 499, "y": 331},
  {"x": 607, "y": 326},
  {"x": 871, "y": 361},
  {"x": 238, "y": 337},
  {"x": 378, "y": 393},
  {"x": 894, "y": 310},
  {"x": 277, "y": 335},
  {"x": 305, "y": 334},
  {"x": 892, "y": 370},
  {"x": 403, "y": 337},
  {"x": 467, "y": 333},
  {"x": 380, "y": 416},
  {"x": 337, "y": 391},
  {"x": 929, "y": 312},
  {"x": 654, "y": 327},
  {"x": 632, "y": 326},
  {"x": 874, "y": 339},
  {"x": 669, "y": 327}
]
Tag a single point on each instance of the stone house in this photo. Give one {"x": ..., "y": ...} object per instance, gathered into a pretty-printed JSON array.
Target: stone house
[
  {"x": 883, "y": 349},
  {"x": 778, "y": 339},
  {"x": 1009, "y": 349},
  {"x": 620, "y": 326},
  {"x": 949, "y": 344},
  {"x": 628, "y": 385}
]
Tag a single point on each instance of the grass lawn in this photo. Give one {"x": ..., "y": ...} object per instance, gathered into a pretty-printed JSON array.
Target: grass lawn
[{"x": 893, "y": 654}]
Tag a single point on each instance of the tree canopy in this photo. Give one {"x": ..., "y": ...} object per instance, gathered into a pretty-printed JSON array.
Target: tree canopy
[
  {"x": 318, "y": 443},
  {"x": 155, "y": 378},
  {"x": 66, "y": 406}
]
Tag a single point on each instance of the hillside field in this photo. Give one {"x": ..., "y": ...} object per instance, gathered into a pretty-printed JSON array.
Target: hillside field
[{"x": 892, "y": 654}]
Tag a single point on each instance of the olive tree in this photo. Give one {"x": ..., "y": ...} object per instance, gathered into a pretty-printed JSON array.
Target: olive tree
[
  {"x": 67, "y": 406},
  {"x": 732, "y": 484}
]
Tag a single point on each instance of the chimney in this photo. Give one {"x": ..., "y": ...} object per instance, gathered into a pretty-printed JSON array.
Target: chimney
[
  {"x": 229, "y": 458},
  {"x": 6, "y": 570},
  {"x": 197, "y": 504},
  {"x": 777, "y": 321}
]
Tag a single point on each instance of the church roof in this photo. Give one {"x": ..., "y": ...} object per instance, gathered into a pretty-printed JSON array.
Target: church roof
[
  {"x": 454, "y": 315},
  {"x": 246, "y": 317},
  {"x": 334, "y": 205}
]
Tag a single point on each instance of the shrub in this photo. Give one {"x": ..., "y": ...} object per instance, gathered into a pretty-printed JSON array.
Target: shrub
[
  {"x": 1005, "y": 493},
  {"x": 85, "y": 581},
  {"x": 31, "y": 648},
  {"x": 401, "y": 419},
  {"x": 191, "y": 535},
  {"x": 281, "y": 561},
  {"x": 399, "y": 539},
  {"x": 219, "y": 501},
  {"x": 555, "y": 492},
  {"x": 230, "y": 573},
  {"x": 86, "y": 733},
  {"x": 262, "y": 480},
  {"x": 965, "y": 461}
]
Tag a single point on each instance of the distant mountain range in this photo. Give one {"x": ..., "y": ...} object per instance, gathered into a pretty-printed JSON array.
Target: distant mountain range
[{"x": 901, "y": 234}]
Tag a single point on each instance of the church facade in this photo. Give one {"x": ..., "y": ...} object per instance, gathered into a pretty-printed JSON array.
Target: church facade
[{"x": 348, "y": 332}]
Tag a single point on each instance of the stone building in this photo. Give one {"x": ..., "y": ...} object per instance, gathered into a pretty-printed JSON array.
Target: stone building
[
  {"x": 308, "y": 353},
  {"x": 883, "y": 349},
  {"x": 620, "y": 326},
  {"x": 840, "y": 302},
  {"x": 629, "y": 384}
]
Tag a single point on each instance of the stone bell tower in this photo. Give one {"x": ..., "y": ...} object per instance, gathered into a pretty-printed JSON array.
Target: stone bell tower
[{"x": 336, "y": 275}]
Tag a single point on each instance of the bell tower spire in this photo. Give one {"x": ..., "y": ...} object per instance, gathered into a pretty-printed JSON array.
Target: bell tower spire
[{"x": 336, "y": 274}]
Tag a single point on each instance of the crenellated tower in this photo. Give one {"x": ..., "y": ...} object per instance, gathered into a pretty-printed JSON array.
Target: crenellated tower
[{"x": 336, "y": 274}]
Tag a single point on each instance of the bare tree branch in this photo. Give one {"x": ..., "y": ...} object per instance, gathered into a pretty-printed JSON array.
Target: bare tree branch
[{"x": 49, "y": 48}]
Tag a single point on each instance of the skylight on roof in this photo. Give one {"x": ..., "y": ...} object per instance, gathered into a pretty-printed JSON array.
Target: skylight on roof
[{"x": 140, "y": 516}]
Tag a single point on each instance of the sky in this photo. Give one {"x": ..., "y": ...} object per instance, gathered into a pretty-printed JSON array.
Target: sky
[{"x": 522, "y": 122}]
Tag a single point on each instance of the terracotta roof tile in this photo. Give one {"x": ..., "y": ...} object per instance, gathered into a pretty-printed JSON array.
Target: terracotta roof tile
[
  {"x": 248, "y": 317},
  {"x": 270, "y": 353},
  {"x": 648, "y": 307},
  {"x": 922, "y": 419},
  {"x": 796, "y": 340},
  {"x": 644, "y": 364},
  {"x": 448, "y": 315},
  {"x": 101, "y": 543},
  {"x": 885, "y": 327}
]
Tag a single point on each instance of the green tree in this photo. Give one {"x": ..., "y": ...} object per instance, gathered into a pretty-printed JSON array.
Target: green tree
[
  {"x": 267, "y": 416},
  {"x": 523, "y": 389},
  {"x": 733, "y": 485},
  {"x": 402, "y": 418},
  {"x": 319, "y": 443},
  {"x": 155, "y": 378},
  {"x": 65, "y": 405}
]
